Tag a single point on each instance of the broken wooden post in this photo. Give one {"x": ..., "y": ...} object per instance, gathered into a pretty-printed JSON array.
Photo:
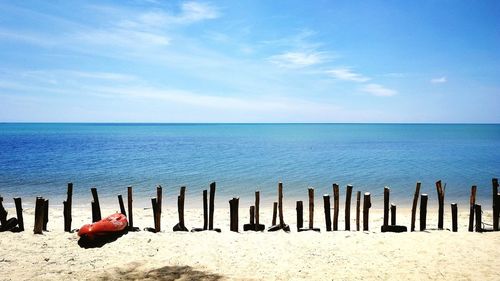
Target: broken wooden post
[
  {"x": 39, "y": 212},
  {"x": 67, "y": 208},
  {"x": 366, "y": 210},
  {"x": 386, "y": 206},
  {"x": 300, "y": 218},
  {"x": 358, "y": 209},
  {"x": 423, "y": 211},
  {"x": 19, "y": 213},
  {"x": 477, "y": 209},
  {"x": 282, "y": 224},
  {"x": 472, "y": 202},
  {"x": 45, "y": 214},
  {"x": 348, "y": 207},
  {"x": 310, "y": 192},
  {"x": 122, "y": 206},
  {"x": 275, "y": 213},
  {"x": 440, "y": 193},
  {"x": 254, "y": 216},
  {"x": 414, "y": 206},
  {"x": 180, "y": 209},
  {"x": 454, "y": 217},
  {"x": 393, "y": 214},
  {"x": 233, "y": 209},
  {"x": 496, "y": 207},
  {"x": 96, "y": 208},
  {"x": 328, "y": 219},
  {"x": 251, "y": 224},
  {"x": 335, "y": 206}
]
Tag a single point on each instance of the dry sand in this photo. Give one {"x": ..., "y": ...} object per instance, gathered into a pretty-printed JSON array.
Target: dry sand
[{"x": 436, "y": 255}]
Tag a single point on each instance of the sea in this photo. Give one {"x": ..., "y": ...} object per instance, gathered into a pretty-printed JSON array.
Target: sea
[{"x": 39, "y": 159}]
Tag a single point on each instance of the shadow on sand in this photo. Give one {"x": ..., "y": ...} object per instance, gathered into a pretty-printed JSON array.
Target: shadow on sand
[
  {"x": 166, "y": 273},
  {"x": 86, "y": 243}
]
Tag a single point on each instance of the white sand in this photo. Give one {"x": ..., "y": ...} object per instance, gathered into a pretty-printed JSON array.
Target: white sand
[{"x": 439, "y": 255}]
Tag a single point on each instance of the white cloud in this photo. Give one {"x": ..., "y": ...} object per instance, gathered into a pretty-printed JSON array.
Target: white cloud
[
  {"x": 378, "y": 90},
  {"x": 297, "y": 59},
  {"x": 439, "y": 80},
  {"x": 347, "y": 75},
  {"x": 196, "y": 11}
]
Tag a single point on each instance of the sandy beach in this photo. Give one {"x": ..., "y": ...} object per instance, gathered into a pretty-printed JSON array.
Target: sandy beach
[{"x": 341, "y": 255}]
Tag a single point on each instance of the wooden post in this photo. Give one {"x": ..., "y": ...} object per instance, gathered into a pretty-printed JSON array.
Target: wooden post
[
  {"x": 358, "y": 209},
  {"x": 497, "y": 214},
  {"x": 386, "y": 205},
  {"x": 300, "y": 217},
  {"x": 180, "y": 209},
  {"x": 67, "y": 208},
  {"x": 158, "y": 208},
  {"x": 348, "y": 207},
  {"x": 233, "y": 206},
  {"x": 252, "y": 215},
  {"x": 310, "y": 192},
  {"x": 280, "y": 204},
  {"x": 393, "y": 214},
  {"x": 479, "y": 227},
  {"x": 45, "y": 214},
  {"x": 3, "y": 213},
  {"x": 205, "y": 210},
  {"x": 423, "y": 211},
  {"x": 454, "y": 216},
  {"x": 414, "y": 206},
  {"x": 154, "y": 204},
  {"x": 336, "y": 202},
  {"x": 19, "y": 213},
  {"x": 472, "y": 202},
  {"x": 96, "y": 208},
  {"x": 328, "y": 219},
  {"x": 440, "y": 193},
  {"x": 275, "y": 212},
  {"x": 366, "y": 210},
  {"x": 130, "y": 214},
  {"x": 39, "y": 210},
  {"x": 496, "y": 207},
  {"x": 122, "y": 206},
  {"x": 212, "y": 206}
]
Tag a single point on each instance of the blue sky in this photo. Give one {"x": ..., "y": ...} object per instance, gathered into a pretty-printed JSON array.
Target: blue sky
[{"x": 250, "y": 61}]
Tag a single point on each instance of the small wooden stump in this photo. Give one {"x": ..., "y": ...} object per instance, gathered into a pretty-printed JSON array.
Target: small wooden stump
[
  {"x": 96, "y": 208},
  {"x": 348, "y": 207},
  {"x": 282, "y": 224},
  {"x": 393, "y": 214},
  {"x": 180, "y": 209},
  {"x": 19, "y": 213},
  {"x": 472, "y": 202},
  {"x": 366, "y": 210},
  {"x": 39, "y": 215},
  {"x": 440, "y": 193},
  {"x": 414, "y": 206},
  {"x": 310, "y": 192},
  {"x": 233, "y": 210},
  {"x": 454, "y": 217},
  {"x": 67, "y": 208},
  {"x": 300, "y": 215},
  {"x": 477, "y": 209},
  {"x": 254, "y": 216},
  {"x": 122, "y": 206},
  {"x": 358, "y": 209},
  {"x": 328, "y": 218},
  {"x": 423, "y": 211},
  {"x": 251, "y": 225},
  {"x": 336, "y": 195}
]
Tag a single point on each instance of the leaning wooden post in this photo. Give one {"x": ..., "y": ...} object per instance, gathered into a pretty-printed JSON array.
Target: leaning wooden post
[
  {"x": 472, "y": 202},
  {"x": 423, "y": 211},
  {"x": 19, "y": 213},
  {"x": 96, "y": 208},
  {"x": 130, "y": 214},
  {"x": 45, "y": 214},
  {"x": 454, "y": 216},
  {"x": 386, "y": 205},
  {"x": 393, "y": 214},
  {"x": 39, "y": 210},
  {"x": 67, "y": 208},
  {"x": 479, "y": 227},
  {"x": 348, "y": 207},
  {"x": 205, "y": 210},
  {"x": 328, "y": 219},
  {"x": 414, "y": 206},
  {"x": 211, "y": 207},
  {"x": 154, "y": 205},
  {"x": 300, "y": 216},
  {"x": 122, "y": 206},
  {"x": 496, "y": 207},
  {"x": 336, "y": 195},
  {"x": 358, "y": 209},
  {"x": 440, "y": 193},
  {"x": 233, "y": 206},
  {"x": 275, "y": 212},
  {"x": 366, "y": 210}
]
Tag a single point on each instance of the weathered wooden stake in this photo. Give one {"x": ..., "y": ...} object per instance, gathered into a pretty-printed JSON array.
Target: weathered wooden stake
[
  {"x": 258, "y": 225},
  {"x": 310, "y": 192},
  {"x": 275, "y": 212},
  {"x": 496, "y": 207},
  {"x": 387, "y": 191},
  {"x": 205, "y": 210},
  {"x": 122, "y": 206},
  {"x": 212, "y": 207},
  {"x": 67, "y": 208},
  {"x": 479, "y": 227},
  {"x": 19, "y": 213},
  {"x": 393, "y": 214},
  {"x": 358, "y": 209},
  {"x": 300, "y": 217},
  {"x": 454, "y": 217},
  {"x": 328, "y": 218},
  {"x": 348, "y": 207},
  {"x": 282, "y": 225},
  {"x": 45, "y": 214},
  {"x": 414, "y": 206},
  {"x": 157, "y": 213},
  {"x": 472, "y": 202},
  {"x": 440, "y": 193},
  {"x": 366, "y": 210},
  {"x": 180, "y": 209},
  {"x": 130, "y": 208},
  {"x": 336, "y": 195},
  {"x": 39, "y": 210},
  {"x": 96, "y": 208},
  {"x": 423, "y": 211},
  {"x": 233, "y": 206},
  {"x": 154, "y": 205},
  {"x": 252, "y": 215}
]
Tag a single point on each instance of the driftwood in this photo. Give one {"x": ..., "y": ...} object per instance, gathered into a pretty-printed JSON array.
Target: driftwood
[
  {"x": 454, "y": 217},
  {"x": 414, "y": 206},
  {"x": 180, "y": 209},
  {"x": 233, "y": 211},
  {"x": 366, "y": 210},
  {"x": 19, "y": 213},
  {"x": 96, "y": 208},
  {"x": 440, "y": 193},
  {"x": 423, "y": 211},
  {"x": 472, "y": 202},
  {"x": 67, "y": 208},
  {"x": 282, "y": 224},
  {"x": 310, "y": 192},
  {"x": 348, "y": 207},
  {"x": 336, "y": 195},
  {"x": 328, "y": 218}
]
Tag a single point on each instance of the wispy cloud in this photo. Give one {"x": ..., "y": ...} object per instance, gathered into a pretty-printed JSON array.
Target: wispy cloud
[
  {"x": 438, "y": 80},
  {"x": 347, "y": 75},
  {"x": 378, "y": 90},
  {"x": 297, "y": 59}
]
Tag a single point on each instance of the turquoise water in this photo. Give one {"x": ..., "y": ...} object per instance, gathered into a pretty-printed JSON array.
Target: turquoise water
[{"x": 39, "y": 159}]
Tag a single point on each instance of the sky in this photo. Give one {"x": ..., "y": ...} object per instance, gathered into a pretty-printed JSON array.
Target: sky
[{"x": 250, "y": 61}]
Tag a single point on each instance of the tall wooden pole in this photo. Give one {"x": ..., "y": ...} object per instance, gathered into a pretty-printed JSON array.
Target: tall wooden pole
[
  {"x": 233, "y": 206},
  {"x": 414, "y": 206},
  {"x": 19, "y": 213},
  {"x": 440, "y": 193},
  {"x": 366, "y": 210},
  {"x": 423, "y": 211},
  {"x": 280, "y": 204},
  {"x": 67, "y": 208},
  {"x": 211, "y": 207},
  {"x": 275, "y": 212},
  {"x": 130, "y": 207},
  {"x": 348, "y": 207},
  {"x": 328, "y": 219},
  {"x": 358, "y": 207},
  {"x": 472, "y": 202},
  {"x": 300, "y": 217},
  {"x": 454, "y": 216},
  {"x": 479, "y": 227},
  {"x": 205, "y": 210},
  {"x": 336, "y": 195},
  {"x": 386, "y": 205},
  {"x": 310, "y": 192}
]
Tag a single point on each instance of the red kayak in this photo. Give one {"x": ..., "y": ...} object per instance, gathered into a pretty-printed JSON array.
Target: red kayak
[{"x": 110, "y": 225}]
